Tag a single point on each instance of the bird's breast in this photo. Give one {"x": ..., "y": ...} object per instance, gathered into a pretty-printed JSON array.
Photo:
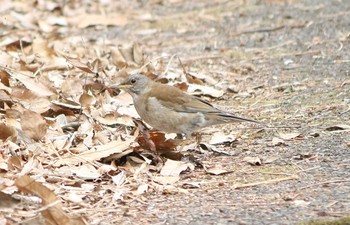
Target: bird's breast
[{"x": 167, "y": 119}]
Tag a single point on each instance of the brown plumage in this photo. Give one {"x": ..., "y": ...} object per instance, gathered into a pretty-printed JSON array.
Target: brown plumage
[{"x": 168, "y": 109}]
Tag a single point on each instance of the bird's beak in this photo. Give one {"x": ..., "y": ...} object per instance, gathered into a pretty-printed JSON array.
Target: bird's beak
[{"x": 120, "y": 86}]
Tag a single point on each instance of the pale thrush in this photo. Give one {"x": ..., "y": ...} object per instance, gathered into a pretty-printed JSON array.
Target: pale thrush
[{"x": 167, "y": 108}]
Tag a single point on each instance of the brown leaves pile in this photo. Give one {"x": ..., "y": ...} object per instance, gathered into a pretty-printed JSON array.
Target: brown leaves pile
[
  {"x": 61, "y": 125},
  {"x": 63, "y": 133},
  {"x": 67, "y": 141}
]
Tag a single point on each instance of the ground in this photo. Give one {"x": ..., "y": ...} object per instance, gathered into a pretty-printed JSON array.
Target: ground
[{"x": 284, "y": 63}]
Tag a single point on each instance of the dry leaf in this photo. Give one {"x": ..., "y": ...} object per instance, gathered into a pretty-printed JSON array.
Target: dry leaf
[
  {"x": 221, "y": 138},
  {"x": 67, "y": 104},
  {"x": 193, "y": 79},
  {"x": 166, "y": 179},
  {"x": 204, "y": 90},
  {"x": 4, "y": 78},
  {"x": 54, "y": 213},
  {"x": 288, "y": 136},
  {"x": 31, "y": 101},
  {"x": 193, "y": 184},
  {"x": 277, "y": 141},
  {"x": 338, "y": 127},
  {"x": 156, "y": 141},
  {"x": 86, "y": 100},
  {"x": 95, "y": 19},
  {"x": 86, "y": 172},
  {"x": 300, "y": 203},
  {"x": 7, "y": 201},
  {"x": 174, "y": 168},
  {"x": 8, "y": 132},
  {"x": 34, "y": 85},
  {"x": 5, "y": 88},
  {"x": 270, "y": 159},
  {"x": 217, "y": 171},
  {"x": 76, "y": 198},
  {"x": 111, "y": 119},
  {"x": 78, "y": 64},
  {"x": 128, "y": 56},
  {"x": 33, "y": 125},
  {"x": 119, "y": 179},
  {"x": 254, "y": 161},
  {"x": 182, "y": 86},
  {"x": 143, "y": 188},
  {"x": 96, "y": 153}
]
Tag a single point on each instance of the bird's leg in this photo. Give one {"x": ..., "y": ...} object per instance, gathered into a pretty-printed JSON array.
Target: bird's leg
[
  {"x": 189, "y": 141},
  {"x": 179, "y": 136},
  {"x": 198, "y": 137}
]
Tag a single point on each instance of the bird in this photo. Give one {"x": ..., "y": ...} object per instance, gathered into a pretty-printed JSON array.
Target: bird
[{"x": 166, "y": 108}]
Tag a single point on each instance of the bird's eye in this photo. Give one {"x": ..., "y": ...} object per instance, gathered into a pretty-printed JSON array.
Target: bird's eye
[{"x": 133, "y": 81}]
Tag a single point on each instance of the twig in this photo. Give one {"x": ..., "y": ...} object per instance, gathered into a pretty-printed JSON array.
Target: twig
[
  {"x": 266, "y": 182},
  {"x": 260, "y": 30},
  {"x": 47, "y": 206},
  {"x": 305, "y": 170},
  {"x": 202, "y": 57},
  {"x": 253, "y": 203},
  {"x": 326, "y": 182},
  {"x": 168, "y": 65},
  {"x": 72, "y": 125},
  {"x": 13, "y": 71}
]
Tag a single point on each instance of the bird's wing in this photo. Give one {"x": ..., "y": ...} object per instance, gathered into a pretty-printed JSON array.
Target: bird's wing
[{"x": 173, "y": 98}]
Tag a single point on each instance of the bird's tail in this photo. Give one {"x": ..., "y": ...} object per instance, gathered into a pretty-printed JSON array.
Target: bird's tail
[{"x": 227, "y": 117}]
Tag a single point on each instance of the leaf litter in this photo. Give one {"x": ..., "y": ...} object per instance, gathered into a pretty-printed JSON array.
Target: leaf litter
[{"x": 77, "y": 148}]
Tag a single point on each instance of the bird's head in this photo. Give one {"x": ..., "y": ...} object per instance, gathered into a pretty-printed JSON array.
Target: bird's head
[{"x": 135, "y": 84}]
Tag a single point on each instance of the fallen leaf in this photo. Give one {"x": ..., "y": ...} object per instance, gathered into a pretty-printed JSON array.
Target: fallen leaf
[
  {"x": 254, "y": 161},
  {"x": 96, "y": 153},
  {"x": 119, "y": 193},
  {"x": 33, "y": 125},
  {"x": 164, "y": 180},
  {"x": 270, "y": 159},
  {"x": 277, "y": 141},
  {"x": 182, "y": 86},
  {"x": 8, "y": 132},
  {"x": 78, "y": 64},
  {"x": 32, "y": 101},
  {"x": 86, "y": 172},
  {"x": 143, "y": 188},
  {"x": 53, "y": 213},
  {"x": 4, "y": 78},
  {"x": 221, "y": 138},
  {"x": 76, "y": 198},
  {"x": 338, "y": 127},
  {"x": 174, "y": 168},
  {"x": 193, "y": 184},
  {"x": 119, "y": 179},
  {"x": 86, "y": 100},
  {"x": 161, "y": 144},
  {"x": 204, "y": 90},
  {"x": 67, "y": 104},
  {"x": 193, "y": 79},
  {"x": 111, "y": 119},
  {"x": 7, "y": 201},
  {"x": 127, "y": 56},
  {"x": 288, "y": 136},
  {"x": 217, "y": 171},
  {"x": 34, "y": 85},
  {"x": 85, "y": 20},
  {"x": 300, "y": 203}
]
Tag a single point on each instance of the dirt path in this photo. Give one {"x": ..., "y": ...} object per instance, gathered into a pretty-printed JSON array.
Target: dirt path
[{"x": 294, "y": 58}]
